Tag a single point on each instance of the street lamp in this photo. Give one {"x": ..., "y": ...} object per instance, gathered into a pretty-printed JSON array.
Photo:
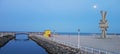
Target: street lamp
[
  {"x": 78, "y": 38},
  {"x": 54, "y": 33}
]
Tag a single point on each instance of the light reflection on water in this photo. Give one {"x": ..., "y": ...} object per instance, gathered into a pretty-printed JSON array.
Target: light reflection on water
[{"x": 22, "y": 46}]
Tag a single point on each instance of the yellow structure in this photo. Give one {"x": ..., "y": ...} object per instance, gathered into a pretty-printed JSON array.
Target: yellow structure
[{"x": 47, "y": 33}]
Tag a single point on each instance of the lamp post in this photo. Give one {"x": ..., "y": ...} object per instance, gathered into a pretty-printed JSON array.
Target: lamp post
[
  {"x": 53, "y": 33},
  {"x": 78, "y": 38}
]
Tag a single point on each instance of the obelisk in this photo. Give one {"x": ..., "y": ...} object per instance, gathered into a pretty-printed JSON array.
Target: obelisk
[{"x": 103, "y": 24}]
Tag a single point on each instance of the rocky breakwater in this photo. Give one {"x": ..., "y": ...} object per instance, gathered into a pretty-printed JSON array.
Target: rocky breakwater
[
  {"x": 5, "y": 39},
  {"x": 54, "y": 47}
]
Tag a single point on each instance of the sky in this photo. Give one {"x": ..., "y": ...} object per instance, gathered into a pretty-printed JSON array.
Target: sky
[{"x": 58, "y": 15}]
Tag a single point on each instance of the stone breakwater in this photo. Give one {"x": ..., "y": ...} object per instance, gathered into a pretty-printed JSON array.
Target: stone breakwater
[
  {"x": 54, "y": 47},
  {"x": 5, "y": 39}
]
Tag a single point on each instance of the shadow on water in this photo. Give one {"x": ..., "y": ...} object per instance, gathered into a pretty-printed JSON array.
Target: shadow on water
[{"x": 22, "y": 45}]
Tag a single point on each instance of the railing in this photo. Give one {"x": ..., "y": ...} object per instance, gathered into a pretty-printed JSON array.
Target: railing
[
  {"x": 87, "y": 50},
  {"x": 84, "y": 49}
]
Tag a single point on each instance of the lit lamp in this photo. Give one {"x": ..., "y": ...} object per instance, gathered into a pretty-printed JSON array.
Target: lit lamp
[{"x": 103, "y": 24}]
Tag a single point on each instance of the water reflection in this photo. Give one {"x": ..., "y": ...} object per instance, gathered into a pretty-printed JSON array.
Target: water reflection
[{"x": 22, "y": 46}]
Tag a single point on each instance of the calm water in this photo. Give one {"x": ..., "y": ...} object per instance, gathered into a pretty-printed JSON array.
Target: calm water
[
  {"x": 88, "y": 34},
  {"x": 22, "y": 46}
]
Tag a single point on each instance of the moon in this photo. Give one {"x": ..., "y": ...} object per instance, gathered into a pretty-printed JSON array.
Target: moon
[{"x": 94, "y": 6}]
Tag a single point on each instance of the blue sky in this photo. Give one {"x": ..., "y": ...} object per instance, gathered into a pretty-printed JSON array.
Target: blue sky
[{"x": 58, "y": 15}]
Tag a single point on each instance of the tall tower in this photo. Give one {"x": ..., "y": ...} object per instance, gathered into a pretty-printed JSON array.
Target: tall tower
[{"x": 103, "y": 24}]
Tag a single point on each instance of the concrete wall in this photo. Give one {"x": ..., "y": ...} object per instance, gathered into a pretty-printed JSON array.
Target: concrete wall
[{"x": 54, "y": 47}]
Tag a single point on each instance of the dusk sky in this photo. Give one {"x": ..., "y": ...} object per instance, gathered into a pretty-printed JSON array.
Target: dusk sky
[{"x": 58, "y": 15}]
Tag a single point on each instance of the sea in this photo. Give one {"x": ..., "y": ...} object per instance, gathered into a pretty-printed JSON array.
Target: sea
[
  {"x": 68, "y": 33},
  {"x": 86, "y": 34}
]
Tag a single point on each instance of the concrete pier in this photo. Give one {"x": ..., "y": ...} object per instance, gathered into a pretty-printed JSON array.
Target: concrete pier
[
  {"x": 54, "y": 47},
  {"x": 5, "y": 39}
]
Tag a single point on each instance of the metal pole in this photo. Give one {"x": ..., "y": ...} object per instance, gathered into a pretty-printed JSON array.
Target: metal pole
[
  {"x": 53, "y": 37},
  {"x": 78, "y": 38},
  {"x": 53, "y": 33}
]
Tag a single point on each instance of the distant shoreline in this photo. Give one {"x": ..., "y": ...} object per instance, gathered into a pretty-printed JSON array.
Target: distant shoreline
[{"x": 63, "y": 32}]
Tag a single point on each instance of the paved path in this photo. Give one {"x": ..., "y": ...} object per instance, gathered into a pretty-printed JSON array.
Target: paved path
[{"x": 112, "y": 43}]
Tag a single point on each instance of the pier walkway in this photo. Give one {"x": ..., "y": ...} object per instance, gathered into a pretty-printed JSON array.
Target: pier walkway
[{"x": 90, "y": 44}]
